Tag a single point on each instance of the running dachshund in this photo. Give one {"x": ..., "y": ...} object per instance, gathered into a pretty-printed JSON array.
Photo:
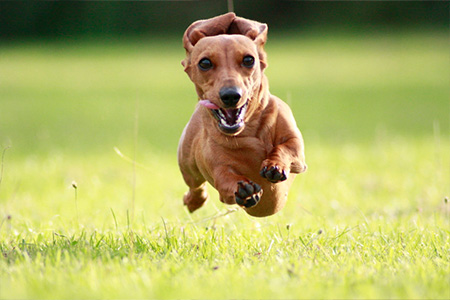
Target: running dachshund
[{"x": 241, "y": 139}]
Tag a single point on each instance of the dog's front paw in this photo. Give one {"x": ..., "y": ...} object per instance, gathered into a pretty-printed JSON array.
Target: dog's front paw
[
  {"x": 248, "y": 194},
  {"x": 273, "y": 173}
]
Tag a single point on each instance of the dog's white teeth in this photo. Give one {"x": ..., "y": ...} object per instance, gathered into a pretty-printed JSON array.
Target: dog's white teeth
[
  {"x": 232, "y": 118},
  {"x": 241, "y": 113},
  {"x": 221, "y": 115}
]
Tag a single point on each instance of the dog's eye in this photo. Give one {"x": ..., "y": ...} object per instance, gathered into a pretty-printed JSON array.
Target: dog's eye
[
  {"x": 248, "y": 61},
  {"x": 205, "y": 64}
]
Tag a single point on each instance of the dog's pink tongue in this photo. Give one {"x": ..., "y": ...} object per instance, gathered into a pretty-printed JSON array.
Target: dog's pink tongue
[{"x": 208, "y": 104}]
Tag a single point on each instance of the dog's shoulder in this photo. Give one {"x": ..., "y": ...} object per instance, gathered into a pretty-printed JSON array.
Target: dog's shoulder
[
  {"x": 278, "y": 103},
  {"x": 279, "y": 114},
  {"x": 193, "y": 128},
  {"x": 284, "y": 111},
  {"x": 276, "y": 108}
]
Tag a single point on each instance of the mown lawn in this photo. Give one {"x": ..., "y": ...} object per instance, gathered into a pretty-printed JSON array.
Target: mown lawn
[{"x": 370, "y": 218}]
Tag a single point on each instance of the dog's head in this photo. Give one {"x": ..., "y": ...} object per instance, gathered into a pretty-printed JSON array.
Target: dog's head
[{"x": 225, "y": 60}]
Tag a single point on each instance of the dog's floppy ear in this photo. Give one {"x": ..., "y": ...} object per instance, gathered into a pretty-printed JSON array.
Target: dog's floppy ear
[
  {"x": 254, "y": 30},
  {"x": 210, "y": 27},
  {"x": 251, "y": 29}
]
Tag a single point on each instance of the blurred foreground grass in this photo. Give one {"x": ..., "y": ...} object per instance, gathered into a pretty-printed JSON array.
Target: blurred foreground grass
[{"x": 368, "y": 220}]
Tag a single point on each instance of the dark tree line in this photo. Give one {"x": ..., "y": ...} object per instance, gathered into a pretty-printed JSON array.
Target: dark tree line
[{"x": 71, "y": 18}]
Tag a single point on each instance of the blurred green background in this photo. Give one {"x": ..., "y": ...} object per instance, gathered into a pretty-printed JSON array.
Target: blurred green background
[{"x": 72, "y": 73}]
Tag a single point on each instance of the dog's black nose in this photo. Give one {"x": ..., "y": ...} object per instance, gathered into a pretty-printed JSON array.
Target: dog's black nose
[{"x": 230, "y": 95}]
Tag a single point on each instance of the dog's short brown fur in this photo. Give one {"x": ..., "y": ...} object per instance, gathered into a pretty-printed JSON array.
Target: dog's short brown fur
[{"x": 241, "y": 139}]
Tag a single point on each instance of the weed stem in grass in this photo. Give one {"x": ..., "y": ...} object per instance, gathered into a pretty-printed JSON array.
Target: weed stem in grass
[
  {"x": 75, "y": 187},
  {"x": 115, "y": 220},
  {"x": 135, "y": 145},
  {"x": 217, "y": 216},
  {"x": 127, "y": 159},
  {"x": 167, "y": 233},
  {"x": 3, "y": 159}
]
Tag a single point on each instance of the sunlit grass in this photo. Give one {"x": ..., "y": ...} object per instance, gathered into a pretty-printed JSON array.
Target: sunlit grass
[{"x": 369, "y": 219}]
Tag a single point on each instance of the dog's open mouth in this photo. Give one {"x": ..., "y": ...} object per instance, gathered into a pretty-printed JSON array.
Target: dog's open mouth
[{"x": 230, "y": 120}]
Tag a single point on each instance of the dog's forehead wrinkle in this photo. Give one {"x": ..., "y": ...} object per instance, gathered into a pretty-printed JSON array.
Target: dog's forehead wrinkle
[{"x": 219, "y": 43}]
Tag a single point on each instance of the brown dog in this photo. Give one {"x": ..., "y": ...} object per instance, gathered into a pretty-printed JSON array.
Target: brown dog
[{"x": 241, "y": 139}]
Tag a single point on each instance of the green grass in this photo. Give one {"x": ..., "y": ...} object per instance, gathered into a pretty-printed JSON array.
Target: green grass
[{"x": 369, "y": 219}]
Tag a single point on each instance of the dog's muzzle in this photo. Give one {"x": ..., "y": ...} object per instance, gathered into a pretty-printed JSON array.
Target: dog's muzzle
[{"x": 230, "y": 120}]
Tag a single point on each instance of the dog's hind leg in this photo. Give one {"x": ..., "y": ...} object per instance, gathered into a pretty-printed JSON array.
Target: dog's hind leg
[
  {"x": 197, "y": 194},
  {"x": 195, "y": 197}
]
